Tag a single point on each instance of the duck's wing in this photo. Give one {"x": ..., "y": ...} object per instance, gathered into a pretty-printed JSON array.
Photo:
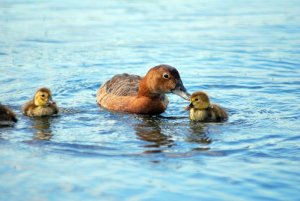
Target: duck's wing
[{"x": 123, "y": 85}]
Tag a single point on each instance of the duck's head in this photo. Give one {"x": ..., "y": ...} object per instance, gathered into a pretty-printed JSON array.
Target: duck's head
[
  {"x": 199, "y": 100},
  {"x": 43, "y": 97},
  {"x": 163, "y": 79}
]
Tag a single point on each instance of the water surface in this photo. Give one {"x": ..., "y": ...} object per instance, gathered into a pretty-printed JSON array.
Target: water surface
[{"x": 244, "y": 54}]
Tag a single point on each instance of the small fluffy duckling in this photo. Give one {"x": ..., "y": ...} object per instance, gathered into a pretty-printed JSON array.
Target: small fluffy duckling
[
  {"x": 202, "y": 110},
  {"x": 7, "y": 116},
  {"x": 41, "y": 105}
]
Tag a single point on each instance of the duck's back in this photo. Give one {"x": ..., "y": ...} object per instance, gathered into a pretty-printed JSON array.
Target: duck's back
[
  {"x": 121, "y": 86},
  {"x": 7, "y": 116},
  {"x": 218, "y": 113}
]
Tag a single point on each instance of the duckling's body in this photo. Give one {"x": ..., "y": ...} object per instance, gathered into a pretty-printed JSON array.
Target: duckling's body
[
  {"x": 141, "y": 95},
  {"x": 32, "y": 110},
  {"x": 214, "y": 113},
  {"x": 202, "y": 110},
  {"x": 7, "y": 116},
  {"x": 41, "y": 105}
]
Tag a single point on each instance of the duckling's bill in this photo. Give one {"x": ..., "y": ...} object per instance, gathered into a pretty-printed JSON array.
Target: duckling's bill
[{"x": 190, "y": 106}]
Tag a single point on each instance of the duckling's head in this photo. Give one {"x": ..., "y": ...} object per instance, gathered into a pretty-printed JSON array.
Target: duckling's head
[
  {"x": 199, "y": 100},
  {"x": 163, "y": 79},
  {"x": 43, "y": 97}
]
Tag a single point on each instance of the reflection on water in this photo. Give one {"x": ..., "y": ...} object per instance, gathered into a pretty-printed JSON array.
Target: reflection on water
[
  {"x": 42, "y": 126},
  {"x": 150, "y": 130},
  {"x": 198, "y": 133},
  {"x": 158, "y": 132}
]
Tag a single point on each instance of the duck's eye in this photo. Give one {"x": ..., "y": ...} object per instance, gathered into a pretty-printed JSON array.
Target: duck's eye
[
  {"x": 43, "y": 95},
  {"x": 196, "y": 99},
  {"x": 166, "y": 76}
]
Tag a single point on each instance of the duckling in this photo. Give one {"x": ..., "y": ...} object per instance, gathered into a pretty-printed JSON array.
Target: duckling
[
  {"x": 7, "y": 116},
  {"x": 202, "y": 110},
  {"x": 41, "y": 105}
]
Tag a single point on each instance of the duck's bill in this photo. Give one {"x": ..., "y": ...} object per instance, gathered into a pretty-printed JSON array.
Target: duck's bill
[{"x": 181, "y": 91}]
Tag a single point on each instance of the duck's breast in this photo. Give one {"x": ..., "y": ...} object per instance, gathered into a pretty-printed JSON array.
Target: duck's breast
[
  {"x": 44, "y": 111},
  {"x": 198, "y": 115}
]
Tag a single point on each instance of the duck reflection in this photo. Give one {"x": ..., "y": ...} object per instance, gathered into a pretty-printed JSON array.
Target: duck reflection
[
  {"x": 42, "y": 126},
  {"x": 198, "y": 134},
  {"x": 150, "y": 131}
]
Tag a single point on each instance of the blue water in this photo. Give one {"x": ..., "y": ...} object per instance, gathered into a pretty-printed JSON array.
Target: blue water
[{"x": 244, "y": 54}]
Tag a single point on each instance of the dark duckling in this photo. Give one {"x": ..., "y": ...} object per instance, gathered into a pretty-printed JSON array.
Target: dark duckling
[{"x": 7, "y": 116}]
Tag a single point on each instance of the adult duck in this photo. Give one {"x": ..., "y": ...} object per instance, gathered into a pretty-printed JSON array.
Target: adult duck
[{"x": 141, "y": 95}]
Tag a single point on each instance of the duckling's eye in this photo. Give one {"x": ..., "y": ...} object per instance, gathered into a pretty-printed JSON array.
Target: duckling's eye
[
  {"x": 43, "y": 95},
  {"x": 196, "y": 99},
  {"x": 166, "y": 76}
]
